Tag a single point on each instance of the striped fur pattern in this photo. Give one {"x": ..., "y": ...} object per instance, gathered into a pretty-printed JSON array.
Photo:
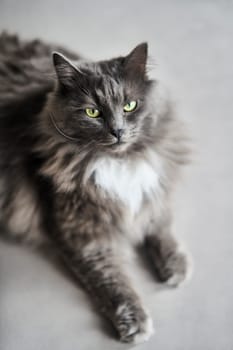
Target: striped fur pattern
[{"x": 66, "y": 178}]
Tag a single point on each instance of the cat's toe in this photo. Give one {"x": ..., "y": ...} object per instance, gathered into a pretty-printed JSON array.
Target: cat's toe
[
  {"x": 176, "y": 270},
  {"x": 134, "y": 326},
  {"x": 146, "y": 330}
]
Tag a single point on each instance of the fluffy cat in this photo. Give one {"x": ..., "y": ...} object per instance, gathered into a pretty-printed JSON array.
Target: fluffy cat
[{"x": 89, "y": 156}]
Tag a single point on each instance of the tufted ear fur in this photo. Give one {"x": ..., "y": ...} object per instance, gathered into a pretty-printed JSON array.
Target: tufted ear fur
[
  {"x": 135, "y": 62},
  {"x": 66, "y": 72}
]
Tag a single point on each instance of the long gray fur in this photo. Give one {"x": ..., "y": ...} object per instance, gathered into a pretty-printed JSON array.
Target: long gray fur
[{"x": 65, "y": 178}]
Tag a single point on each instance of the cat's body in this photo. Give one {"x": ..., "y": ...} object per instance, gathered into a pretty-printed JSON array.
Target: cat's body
[{"x": 84, "y": 183}]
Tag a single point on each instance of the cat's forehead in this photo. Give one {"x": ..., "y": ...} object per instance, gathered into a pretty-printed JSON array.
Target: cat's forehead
[
  {"x": 107, "y": 81},
  {"x": 111, "y": 67},
  {"x": 110, "y": 88},
  {"x": 103, "y": 81}
]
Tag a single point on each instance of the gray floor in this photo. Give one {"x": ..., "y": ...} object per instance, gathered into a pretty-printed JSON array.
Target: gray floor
[{"x": 41, "y": 307}]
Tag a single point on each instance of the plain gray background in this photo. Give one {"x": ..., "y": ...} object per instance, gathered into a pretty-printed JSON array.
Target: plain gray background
[{"x": 191, "y": 44}]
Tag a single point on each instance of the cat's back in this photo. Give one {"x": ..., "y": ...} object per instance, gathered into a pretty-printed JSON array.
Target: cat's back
[
  {"x": 26, "y": 71},
  {"x": 26, "y": 78},
  {"x": 23, "y": 67}
]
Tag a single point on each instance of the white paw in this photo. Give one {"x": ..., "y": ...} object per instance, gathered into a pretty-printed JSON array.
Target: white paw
[
  {"x": 182, "y": 275},
  {"x": 133, "y": 324},
  {"x": 146, "y": 331}
]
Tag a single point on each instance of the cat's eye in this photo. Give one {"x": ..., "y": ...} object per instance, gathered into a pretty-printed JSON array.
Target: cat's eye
[
  {"x": 92, "y": 112},
  {"x": 130, "y": 106}
]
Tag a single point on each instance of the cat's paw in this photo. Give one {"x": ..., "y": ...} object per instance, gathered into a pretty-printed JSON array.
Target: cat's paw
[
  {"x": 175, "y": 269},
  {"x": 133, "y": 324}
]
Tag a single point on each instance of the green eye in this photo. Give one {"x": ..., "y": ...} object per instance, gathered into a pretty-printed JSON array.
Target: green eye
[
  {"x": 130, "y": 106},
  {"x": 92, "y": 113}
]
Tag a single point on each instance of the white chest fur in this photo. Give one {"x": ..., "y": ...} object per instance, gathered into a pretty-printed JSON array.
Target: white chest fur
[{"x": 126, "y": 180}]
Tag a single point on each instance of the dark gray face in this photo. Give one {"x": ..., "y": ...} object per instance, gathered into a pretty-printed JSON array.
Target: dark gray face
[{"x": 104, "y": 104}]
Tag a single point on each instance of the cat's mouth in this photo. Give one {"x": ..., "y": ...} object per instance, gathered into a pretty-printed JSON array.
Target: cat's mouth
[
  {"x": 117, "y": 143},
  {"x": 119, "y": 146}
]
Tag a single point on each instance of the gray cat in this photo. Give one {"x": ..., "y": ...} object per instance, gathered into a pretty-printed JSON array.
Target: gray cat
[{"x": 89, "y": 156}]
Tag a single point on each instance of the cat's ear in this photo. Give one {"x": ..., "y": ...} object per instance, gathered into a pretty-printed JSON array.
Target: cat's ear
[
  {"x": 136, "y": 61},
  {"x": 65, "y": 70}
]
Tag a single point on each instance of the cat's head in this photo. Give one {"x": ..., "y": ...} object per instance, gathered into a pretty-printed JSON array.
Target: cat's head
[{"x": 104, "y": 105}]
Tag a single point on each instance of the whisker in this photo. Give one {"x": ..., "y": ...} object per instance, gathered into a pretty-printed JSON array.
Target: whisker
[{"x": 70, "y": 138}]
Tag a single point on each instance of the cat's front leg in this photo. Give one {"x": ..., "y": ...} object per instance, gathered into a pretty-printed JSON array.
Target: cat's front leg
[
  {"x": 99, "y": 272},
  {"x": 172, "y": 263}
]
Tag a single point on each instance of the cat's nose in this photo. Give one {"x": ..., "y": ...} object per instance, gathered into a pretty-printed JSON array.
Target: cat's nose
[{"x": 117, "y": 133}]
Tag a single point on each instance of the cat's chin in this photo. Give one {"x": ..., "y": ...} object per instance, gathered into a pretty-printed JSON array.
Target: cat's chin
[{"x": 119, "y": 147}]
